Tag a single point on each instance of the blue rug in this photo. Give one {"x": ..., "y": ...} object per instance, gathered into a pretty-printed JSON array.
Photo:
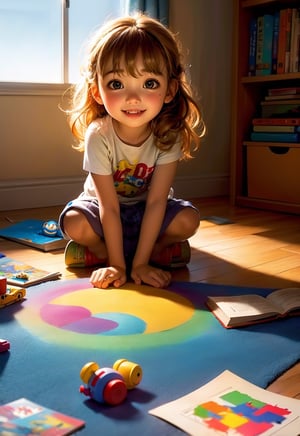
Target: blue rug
[{"x": 179, "y": 344}]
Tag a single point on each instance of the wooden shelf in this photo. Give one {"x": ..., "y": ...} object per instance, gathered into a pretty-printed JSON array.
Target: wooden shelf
[
  {"x": 248, "y": 93},
  {"x": 258, "y": 3},
  {"x": 253, "y": 3},
  {"x": 271, "y": 78}
]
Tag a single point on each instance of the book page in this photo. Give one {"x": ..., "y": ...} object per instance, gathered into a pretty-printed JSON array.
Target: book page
[
  {"x": 245, "y": 305},
  {"x": 230, "y": 405},
  {"x": 287, "y": 298}
]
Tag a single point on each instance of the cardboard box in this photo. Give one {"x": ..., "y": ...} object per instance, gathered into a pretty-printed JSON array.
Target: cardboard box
[{"x": 273, "y": 172}]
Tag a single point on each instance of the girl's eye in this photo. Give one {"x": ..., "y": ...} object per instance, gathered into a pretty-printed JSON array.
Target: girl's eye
[
  {"x": 151, "y": 84},
  {"x": 115, "y": 84}
]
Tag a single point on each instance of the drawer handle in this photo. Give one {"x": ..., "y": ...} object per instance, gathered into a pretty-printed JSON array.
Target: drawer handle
[{"x": 279, "y": 150}]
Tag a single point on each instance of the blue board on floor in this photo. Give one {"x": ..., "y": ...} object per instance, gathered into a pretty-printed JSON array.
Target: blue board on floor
[{"x": 30, "y": 232}]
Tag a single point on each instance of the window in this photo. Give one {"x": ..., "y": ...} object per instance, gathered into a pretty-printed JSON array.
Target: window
[
  {"x": 41, "y": 40},
  {"x": 84, "y": 17}
]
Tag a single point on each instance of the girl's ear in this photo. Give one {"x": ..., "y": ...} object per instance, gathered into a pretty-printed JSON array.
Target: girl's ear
[
  {"x": 173, "y": 88},
  {"x": 95, "y": 93}
]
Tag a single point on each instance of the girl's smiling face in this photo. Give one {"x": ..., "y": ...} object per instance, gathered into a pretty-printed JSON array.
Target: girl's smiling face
[{"x": 133, "y": 100}]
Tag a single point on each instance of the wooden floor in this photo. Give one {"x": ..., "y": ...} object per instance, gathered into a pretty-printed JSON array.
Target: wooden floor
[{"x": 257, "y": 248}]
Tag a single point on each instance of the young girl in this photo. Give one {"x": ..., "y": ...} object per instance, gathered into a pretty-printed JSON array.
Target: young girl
[{"x": 135, "y": 118}]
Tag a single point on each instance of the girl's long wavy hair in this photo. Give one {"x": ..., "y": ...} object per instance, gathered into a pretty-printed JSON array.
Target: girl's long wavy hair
[{"x": 117, "y": 43}]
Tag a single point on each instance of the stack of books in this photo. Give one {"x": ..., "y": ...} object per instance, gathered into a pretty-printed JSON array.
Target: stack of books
[
  {"x": 280, "y": 117},
  {"x": 281, "y": 102}
]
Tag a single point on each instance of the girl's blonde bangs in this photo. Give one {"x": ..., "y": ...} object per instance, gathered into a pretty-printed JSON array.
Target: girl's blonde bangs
[{"x": 121, "y": 54}]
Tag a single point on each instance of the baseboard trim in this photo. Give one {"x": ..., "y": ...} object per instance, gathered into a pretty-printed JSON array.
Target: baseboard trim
[
  {"x": 26, "y": 194},
  {"x": 211, "y": 185}
]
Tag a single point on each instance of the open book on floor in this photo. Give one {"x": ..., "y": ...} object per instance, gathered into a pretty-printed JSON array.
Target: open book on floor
[
  {"x": 231, "y": 405},
  {"x": 241, "y": 310},
  {"x": 29, "y": 232},
  {"x": 27, "y": 418},
  {"x": 24, "y": 275}
]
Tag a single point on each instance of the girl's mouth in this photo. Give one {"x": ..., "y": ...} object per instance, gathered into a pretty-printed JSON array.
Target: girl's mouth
[{"x": 134, "y": 112}]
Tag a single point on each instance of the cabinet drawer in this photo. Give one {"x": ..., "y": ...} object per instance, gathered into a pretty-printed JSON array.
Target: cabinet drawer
[{"x": 273, "y": 172}]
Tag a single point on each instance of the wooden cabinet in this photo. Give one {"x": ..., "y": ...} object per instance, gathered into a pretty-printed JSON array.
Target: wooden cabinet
[{"x": 248, "y": 92}]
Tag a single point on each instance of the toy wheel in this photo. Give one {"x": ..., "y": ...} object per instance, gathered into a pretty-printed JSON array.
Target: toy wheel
[
  {"x": 115, "y": 392},
  {"x": 87, "y": 370}
]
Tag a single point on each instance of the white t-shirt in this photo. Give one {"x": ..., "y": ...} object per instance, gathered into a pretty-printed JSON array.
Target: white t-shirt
[{"x": 131, "y": 167}]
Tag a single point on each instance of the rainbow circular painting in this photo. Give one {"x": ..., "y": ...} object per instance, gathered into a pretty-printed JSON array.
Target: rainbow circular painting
[{"x": 73, "y": 313}]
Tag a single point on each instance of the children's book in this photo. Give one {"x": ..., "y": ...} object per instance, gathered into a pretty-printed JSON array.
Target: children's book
[
  {"x": 279, "y": 98},
  {"x": 284, "y": 91},
  {"x": 23, "y": 417},
  {"x": 277, "y": 129},
  {"x": 264, "y": 45},
  {"x": 29, "y": 232},
  {"x": 276, "y": 121},
  {"x": 243, "y": 310},
  {"x": 230, "y": 405},
  {"x": 24, "y": 275},
  {"x": 275, "y": 137},
  {"x": 252, "y": 46}
]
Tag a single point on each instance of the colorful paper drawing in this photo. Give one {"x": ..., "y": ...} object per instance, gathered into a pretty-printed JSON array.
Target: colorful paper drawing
[
  {"x": 230, "y": 405},
  {"x": 240, "y": 412}
]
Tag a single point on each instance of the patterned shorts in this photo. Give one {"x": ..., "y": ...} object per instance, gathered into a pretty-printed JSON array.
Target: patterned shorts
[{"x": 131, "y": 218}]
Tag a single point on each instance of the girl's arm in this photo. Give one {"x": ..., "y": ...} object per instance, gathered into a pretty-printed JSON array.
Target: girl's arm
[
  {"x": 109, "y": 211},
  {"x": 161, "y": 183}
]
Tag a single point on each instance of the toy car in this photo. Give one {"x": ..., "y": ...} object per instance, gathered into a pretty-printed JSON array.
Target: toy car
[
  {"x": 4, "y": 345},
  {"x": 13, "y": 294}
]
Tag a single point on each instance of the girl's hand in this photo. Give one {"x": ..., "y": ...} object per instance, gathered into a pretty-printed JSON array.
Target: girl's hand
[
  {"x": 149, "y": 275},
  {"x": 104, "y": 277}
]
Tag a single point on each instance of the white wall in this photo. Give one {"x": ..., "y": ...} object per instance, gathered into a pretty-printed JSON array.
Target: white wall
[{"x": 39, "y": 166}]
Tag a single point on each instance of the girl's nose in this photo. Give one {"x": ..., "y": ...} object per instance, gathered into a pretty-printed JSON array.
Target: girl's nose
[{"x": 133, "y": 97}]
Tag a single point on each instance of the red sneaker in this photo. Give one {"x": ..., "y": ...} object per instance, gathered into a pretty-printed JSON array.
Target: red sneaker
[{"x": 177, "y": 255}]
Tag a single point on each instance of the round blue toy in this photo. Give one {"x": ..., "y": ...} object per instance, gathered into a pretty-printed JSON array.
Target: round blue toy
[{"x": 51, "y": 228}]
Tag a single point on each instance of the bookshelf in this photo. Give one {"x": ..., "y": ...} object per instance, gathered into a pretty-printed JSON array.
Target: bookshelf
[{"x": 248, "y": 92}]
